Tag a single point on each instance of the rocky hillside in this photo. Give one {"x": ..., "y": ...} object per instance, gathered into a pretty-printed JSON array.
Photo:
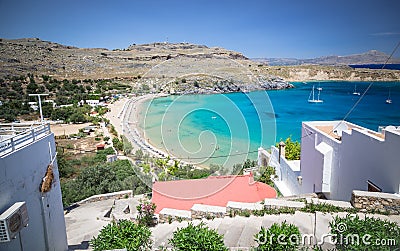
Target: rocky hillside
[
  {"x": 370, "y": 57},
  {"x": 174, "y": 67},
  {"x": 323, "y": 72},
  {"x": 158, "y": 65}
]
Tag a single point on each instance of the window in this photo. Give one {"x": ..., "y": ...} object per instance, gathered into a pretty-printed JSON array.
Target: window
[{"x": 372, "y": 187}]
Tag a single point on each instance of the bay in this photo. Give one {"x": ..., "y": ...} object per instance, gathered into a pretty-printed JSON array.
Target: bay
[{"x": 226, "y": 129}]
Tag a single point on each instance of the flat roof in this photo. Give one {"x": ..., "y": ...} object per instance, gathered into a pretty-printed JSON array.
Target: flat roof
[
  {"x": 214, "y": 191},
  {"x": 334, "y": 129}
]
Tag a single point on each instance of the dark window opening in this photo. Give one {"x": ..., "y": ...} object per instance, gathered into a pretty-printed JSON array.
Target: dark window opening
[{"x": 372, "y": 187}]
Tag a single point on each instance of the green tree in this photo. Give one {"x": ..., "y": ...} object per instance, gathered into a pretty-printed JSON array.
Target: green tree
[
  {"x": 126, "y": 145},
  {"x": 118, "y": 144},
  {"x": 77, "y": 117},
  {"x": 47, "y": 109},
  {"x": 65, "y": 168},
  {"x": 32, "y": 88},
  {"x": 139, "y": 154},
  {"x": 100, "y": 177}
]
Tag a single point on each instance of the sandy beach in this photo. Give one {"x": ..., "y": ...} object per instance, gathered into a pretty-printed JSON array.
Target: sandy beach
[{"x": 124, "y": 115}]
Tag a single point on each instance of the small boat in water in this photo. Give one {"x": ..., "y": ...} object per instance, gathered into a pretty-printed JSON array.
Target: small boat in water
[
  {"x": 355, "y": 92},
  {"x": 311, "y": 98},
  {"x": 389, "y": 100}
]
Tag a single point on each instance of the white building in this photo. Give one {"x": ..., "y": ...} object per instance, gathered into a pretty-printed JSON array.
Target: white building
[
  {"x": 93, "y": 102},
  {"x": 29, "y": 173},
  {"x": 287, "y": 171},
  {"x": 338, "y": 157}
]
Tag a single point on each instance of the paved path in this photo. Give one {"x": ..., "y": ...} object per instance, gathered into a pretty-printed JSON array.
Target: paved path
[{"x": 84, "y": 222}]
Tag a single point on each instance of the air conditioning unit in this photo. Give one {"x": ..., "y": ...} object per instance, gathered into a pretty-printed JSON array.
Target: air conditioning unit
[{"x": 12, "y": 221}]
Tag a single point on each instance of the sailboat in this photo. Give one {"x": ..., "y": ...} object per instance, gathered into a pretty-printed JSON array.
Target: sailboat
[
  {"x": 313, "y": 100},
  {"x": 355, "y": 92},
  {"x": 389, "y": 100}
]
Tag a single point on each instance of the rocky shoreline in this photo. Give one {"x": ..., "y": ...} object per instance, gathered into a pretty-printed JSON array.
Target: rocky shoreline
[{"x": 209, "y": 85}]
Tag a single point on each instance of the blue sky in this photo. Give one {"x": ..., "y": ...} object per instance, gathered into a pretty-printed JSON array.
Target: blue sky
[{"x": 281, "y": 28}]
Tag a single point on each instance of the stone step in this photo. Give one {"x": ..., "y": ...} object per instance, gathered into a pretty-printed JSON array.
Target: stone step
[
  {"x": 233, "y": 233},
  {"x": 163, "y": 232},
  {"x": 268, "y": 220},
  {"x": 226, "y": 223},
  {"x": 252, "y": 227},
  {"x": 214, "y": 223},
  {"x": 305, "y": 222}
]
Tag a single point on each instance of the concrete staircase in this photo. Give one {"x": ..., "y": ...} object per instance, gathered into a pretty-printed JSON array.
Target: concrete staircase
[
  {"x": 239, "y": 232},
  {"x": 85, "y": 221}
]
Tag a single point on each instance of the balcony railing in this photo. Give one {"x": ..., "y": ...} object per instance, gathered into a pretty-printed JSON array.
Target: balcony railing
[{"x": 20, "y": 136}]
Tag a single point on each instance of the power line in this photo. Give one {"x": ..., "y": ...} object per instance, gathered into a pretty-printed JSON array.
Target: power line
[
  {"x": 366, "y": 90},
  {"x": 360, "y": 98},
  {"x": 221, "y": 156}
]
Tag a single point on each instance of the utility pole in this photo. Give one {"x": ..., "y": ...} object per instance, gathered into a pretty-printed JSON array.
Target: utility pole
[{"x": 40, "y": 104}]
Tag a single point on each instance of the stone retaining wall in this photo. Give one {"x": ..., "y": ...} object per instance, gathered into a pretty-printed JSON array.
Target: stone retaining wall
[
  {"x": 100, "y": 197},
  {"x": 277, "y": 204},
  {"x": 168, "y": 215},
  {"x": 207, "y": 212},
  {"x": 240, "y": 208},
  {"x": 376, "y": 202}
]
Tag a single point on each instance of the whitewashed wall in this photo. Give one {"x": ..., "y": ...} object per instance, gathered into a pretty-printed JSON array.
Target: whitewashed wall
[
  {"x": 21, "y": 174},
  {"x": 359, "y": 157}
]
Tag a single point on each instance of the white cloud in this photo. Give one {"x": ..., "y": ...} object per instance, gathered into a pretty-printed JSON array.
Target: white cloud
[{"x": 385, "y": 34}]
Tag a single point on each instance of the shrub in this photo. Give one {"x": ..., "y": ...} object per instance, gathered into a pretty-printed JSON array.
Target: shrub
[
  {"x": 118, "y": 144},
  {"x": 146, "y": 211},
  {"x": 103, "y": 178},
  {"x": 139, "y": 154},
  {"x": 126, "y": 145},
  {"x": 325, "y": 208},
  {"x": 123, "y": 234},
  {"x": 265, "y": 175},
  {"x": 292, "y": 149},
  {"x": 278, "y": 237},
  {"x": 353, "y": 233},
  {"x": 197, "y": 237}
]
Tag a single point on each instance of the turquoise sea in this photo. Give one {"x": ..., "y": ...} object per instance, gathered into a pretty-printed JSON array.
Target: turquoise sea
[{"x": 228, "y": 128}]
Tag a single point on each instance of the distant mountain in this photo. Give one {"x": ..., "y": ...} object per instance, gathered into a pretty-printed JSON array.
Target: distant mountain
[{"x": 370, "y": 57}]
